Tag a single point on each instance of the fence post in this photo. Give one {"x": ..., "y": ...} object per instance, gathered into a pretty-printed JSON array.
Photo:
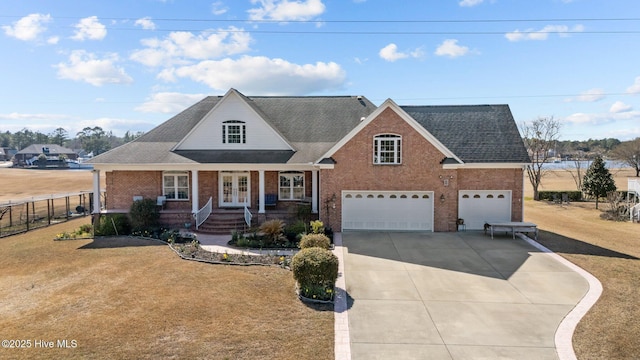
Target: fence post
[
  {"x": 49, "y": 211},
  {"x": 27, "y": 216},
  {"x": 66, "y": 200}
]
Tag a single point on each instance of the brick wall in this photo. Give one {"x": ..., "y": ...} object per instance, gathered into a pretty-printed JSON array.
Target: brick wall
[{"x": 420, "y": 170}]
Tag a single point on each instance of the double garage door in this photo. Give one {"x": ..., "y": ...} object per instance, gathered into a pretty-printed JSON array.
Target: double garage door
[
  {"x": 478, "y": 207},
  {"x": 387, "y": 210}
]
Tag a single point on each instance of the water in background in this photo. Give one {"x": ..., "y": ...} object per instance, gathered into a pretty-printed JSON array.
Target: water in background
[{"x": 570, "y": 164}]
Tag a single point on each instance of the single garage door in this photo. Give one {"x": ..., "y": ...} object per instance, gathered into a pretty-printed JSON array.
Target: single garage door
[
  {"x": 387, "y": 210},
  {"x": 478, "y": 207}
]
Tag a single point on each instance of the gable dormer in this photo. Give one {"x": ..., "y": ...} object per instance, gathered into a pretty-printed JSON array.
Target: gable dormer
[{"x": 234, "y": 124}]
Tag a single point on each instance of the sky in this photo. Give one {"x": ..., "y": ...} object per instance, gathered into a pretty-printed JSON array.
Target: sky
[{"x": 130, "y": 65}]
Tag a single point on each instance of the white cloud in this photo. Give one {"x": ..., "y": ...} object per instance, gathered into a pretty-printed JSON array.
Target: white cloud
[
  {"x": 218, "y": 8},
  {"x": 603, "y": 118},
  {"x": 542, "y": 34},
  {"x": 591, "y": 95},
  {"x": 470, "y": 3},
  {"x": 28, "y": 28},
  {"x": 178, "y": 48},
  {"x": 23, "y": 116},
  {"x": 85, "y": 66},
  {"x": 146, "y": 23},
  {"x": 635, "y": 88},
  {"x": 286, "y": 10},
  {"x": 53, "y": 40},
  {"x": 620, "y": 107},
  {"x": 264, "y": 76},
  {"x": 451, "y": 49},
  {"x": 390, "y": 53},
  {"x": 89, "y": 28},
  {"x": 169, "y": 102}
]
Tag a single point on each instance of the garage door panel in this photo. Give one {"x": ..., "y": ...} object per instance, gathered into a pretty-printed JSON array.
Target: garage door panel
[
  {"x": 387, "y": 210},
  {"x": 478, "y": 207}
]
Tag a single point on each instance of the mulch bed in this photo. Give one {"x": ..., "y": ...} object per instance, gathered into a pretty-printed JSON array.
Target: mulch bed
[{"x": 196, "y": 253}]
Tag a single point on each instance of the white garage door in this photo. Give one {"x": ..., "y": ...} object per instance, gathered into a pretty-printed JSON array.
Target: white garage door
[
  {"x": 477, "y": 207},
  {"x": 387, "y": 210}
]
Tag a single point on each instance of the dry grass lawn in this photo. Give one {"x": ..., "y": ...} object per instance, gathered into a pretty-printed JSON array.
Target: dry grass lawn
[
  {"x": 135, "y": 299},
  {"x": 17, "y": 184},
  {"x": 608, "y": 250}
]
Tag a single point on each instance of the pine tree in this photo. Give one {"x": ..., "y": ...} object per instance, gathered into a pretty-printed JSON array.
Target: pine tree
[{"x": 598, "y": 181}]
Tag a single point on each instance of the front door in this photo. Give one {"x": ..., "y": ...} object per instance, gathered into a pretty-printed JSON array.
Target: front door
[{"x": 235, "y": 189}]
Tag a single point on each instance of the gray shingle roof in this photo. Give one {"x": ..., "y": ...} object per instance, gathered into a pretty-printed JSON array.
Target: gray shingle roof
[
  {"x": 311, "y": 124},
  {"x": 53, "y": 149},
  {"x": 314, "y": 124},
  {"x": 475, "y": 133}
]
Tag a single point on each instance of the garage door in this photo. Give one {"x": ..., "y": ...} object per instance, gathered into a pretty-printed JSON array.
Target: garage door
[
  {"x": 387, "y": 210},
  {"x": 477, "y": 207}
]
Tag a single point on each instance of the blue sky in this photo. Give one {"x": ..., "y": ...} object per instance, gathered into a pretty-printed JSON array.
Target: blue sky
[{"x": 130, "y": 65}]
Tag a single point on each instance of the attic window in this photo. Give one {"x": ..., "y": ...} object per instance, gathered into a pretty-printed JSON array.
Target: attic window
[
  {"x": 234, "y": 132},
  {"x": 387, "y": 149}
]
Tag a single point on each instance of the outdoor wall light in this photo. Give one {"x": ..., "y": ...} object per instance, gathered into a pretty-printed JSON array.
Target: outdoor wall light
[{"x": 442, "y": 198}]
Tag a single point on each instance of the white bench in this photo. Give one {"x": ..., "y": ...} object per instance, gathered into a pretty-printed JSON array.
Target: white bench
[{"x": 513, "y": 227}]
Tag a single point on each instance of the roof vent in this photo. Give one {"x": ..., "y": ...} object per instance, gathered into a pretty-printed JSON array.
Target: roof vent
[
  {"x": 359, "y": 97},
  {"x": 362, "y": 118}
]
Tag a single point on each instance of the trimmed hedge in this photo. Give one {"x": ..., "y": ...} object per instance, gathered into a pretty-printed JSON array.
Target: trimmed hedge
[
  {"x": 113, "y": 224},
  {"x": 315, "y": 267},
  {"x": 548, "y": 195},
  {"x": 144, "y": 215},
  {"x": 315, "y": 240}
]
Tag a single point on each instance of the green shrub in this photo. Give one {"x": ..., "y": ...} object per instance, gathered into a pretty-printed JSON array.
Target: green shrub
[
  {"x": 273, "y": 232},
  {"x": 548, "y": 195},
  {"x": 292, "y": 231},
  {"x": 315, "y": 267},
  {"x": 314, "y": 240},
  {"x": 113, "y": 224},
  {"x": 144, "y": 215},
  {"x": 317, "y": 227}
]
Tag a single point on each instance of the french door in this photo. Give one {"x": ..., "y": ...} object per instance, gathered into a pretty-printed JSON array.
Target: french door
[{"x": 235, "y": 189}]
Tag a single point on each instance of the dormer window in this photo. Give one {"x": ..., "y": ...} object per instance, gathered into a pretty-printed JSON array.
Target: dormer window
[
  {"x": 387, "y": 149},
  {"x": 234, "y": 132}
]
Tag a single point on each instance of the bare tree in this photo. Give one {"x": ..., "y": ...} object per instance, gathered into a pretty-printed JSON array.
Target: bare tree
[
  {"x": 628, "y": 152},
  {"x": 577, "y": 170},
  {"x": 540, "y": 138}
]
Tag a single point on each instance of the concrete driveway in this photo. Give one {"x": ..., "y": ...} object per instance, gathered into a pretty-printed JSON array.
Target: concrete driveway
[{"x": 454, "y": 296}]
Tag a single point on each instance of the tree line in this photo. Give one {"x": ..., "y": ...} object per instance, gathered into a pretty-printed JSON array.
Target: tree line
[
  {"x": 541, "y": 140},
  {"x": 91, "y": 139}
]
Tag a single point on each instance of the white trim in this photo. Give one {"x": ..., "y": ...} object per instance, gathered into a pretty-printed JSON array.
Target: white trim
[
  {"x": 314, "y": 191},
  {"x": 390, "y": 104},
  {"x": 484, "y": 166},
  {"x": 231, "y": 92},
  {"x": 290, "y": 175},
  {"x": 397, "y": 148},
  {"x": 175, "y": 175},
  {"x": 211, "y": 167},
  {"x": 235, "y": 175},
  {"x": 261, "y": 209},
  {"x": 96, "y": 192},
  {"x": 195, "y": 206}
]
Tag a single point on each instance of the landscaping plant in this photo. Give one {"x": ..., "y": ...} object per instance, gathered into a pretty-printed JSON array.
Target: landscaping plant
[
  {"x": 144, "y": 215},
  {"x": 273, "y": 231},
  {"x": 315, "y": 240},
  {"x": 316, "y": 271}
]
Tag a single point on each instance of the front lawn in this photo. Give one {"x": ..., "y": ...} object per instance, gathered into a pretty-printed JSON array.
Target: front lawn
[{"x": 135, "y": 299}]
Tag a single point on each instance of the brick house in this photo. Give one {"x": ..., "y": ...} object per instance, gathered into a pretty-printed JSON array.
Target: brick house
[{"x": 357, "y": 166}]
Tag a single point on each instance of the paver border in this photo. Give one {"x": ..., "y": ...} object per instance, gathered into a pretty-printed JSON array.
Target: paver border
[
  {"x": 342, "y": 346},
  {"x": 564, "y": 332}
]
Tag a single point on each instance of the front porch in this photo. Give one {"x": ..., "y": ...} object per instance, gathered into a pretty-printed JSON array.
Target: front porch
[{"x": 216, "y": 201}]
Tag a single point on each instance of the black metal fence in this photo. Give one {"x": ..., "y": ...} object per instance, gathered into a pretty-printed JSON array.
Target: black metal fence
[{"x": 28, "y": 214}]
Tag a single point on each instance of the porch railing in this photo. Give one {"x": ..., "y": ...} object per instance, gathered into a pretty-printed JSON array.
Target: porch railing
[
  {"x": 634, "y": 213},
  {"x": 634, "y": 186},
  {"x": 203, "y": 214},
  {"x": 247, "y": 216}
]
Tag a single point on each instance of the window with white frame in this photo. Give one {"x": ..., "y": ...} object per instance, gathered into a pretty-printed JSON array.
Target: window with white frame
[
  {"x": 291, "y": 185},
  {"x": 387, "y": 149},
  {"x": 234, "y": 132},
  {"x": 175, "y": 185}
]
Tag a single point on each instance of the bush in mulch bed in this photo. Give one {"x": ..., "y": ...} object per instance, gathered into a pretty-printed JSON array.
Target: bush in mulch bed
[{"x": 191, "y": 251}]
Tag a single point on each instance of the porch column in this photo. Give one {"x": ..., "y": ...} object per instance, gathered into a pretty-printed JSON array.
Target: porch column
[
  {"x": 96, "y": 195},
  {"x": 195, "y": 205},
  {"x": 261, "y": 191},
  {"x": 314, "y": 191}
]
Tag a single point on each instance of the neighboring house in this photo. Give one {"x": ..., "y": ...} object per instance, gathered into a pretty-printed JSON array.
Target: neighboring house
[
  {"x": 30, "y": 154},
  {"x": 358, "y": 166},
  {"x": 3, "y": 155}
]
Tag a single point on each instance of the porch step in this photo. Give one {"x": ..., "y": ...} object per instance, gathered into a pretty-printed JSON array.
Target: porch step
[{"x": 223, "y": 222}]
